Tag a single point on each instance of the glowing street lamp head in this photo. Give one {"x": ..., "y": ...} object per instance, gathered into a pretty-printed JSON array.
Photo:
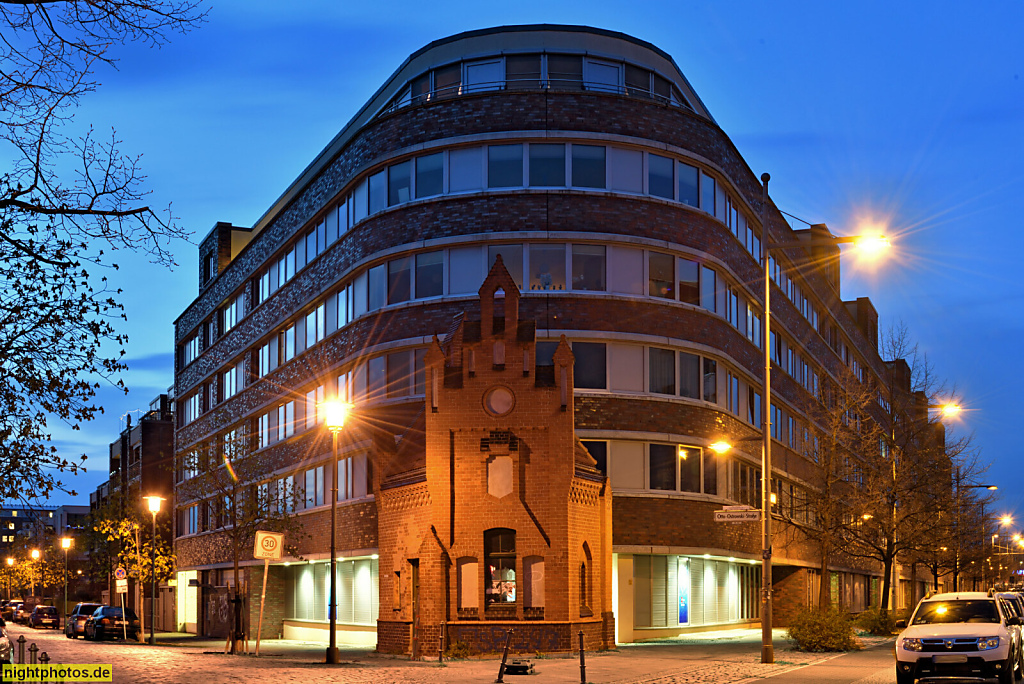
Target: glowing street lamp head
[
  {"x": 950, "y": 410},
  {"x": 1006, "y": 520},
  {"x": 35, "y": 554},
  {"x": 335, "y": 412},
  {"x": 872, "y": 246},
  {"x": 153, "y": 503},
  {"x": 65, "y": 543},
  {"x": 10, "y": 561},
  {"x": 720, "y": 447}
]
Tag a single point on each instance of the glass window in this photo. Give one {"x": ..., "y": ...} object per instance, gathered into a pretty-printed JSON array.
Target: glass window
[
  {"x": 465, "y": 169},
  {"x": 547, "y": 165},
  {"x": 376, "y": 377},
  {"x": 377, "y": 287},
  {"x": 504, "y": 166},
  {"x": 660, "y": 275},
  {"x": 588, "y": 166},
  {"x": 707, "y": 193},
  {"x": 708, "y": 289},
  {"x": 420, "y": 88},
  {"x": 565, "y": 72},
  {"x": 429, "y": 274},
  {"x": 487, "y": 75},
  {"x": 399, "y": 183},
  {"x": 689, "y": 375},
  {"x": 711, "y": 472},
  {"x": 602, "y": 76},
  {"x": 588, "y": 267},
  {"x": 522, "y": 72},
  {"x": 638, "y": 81},
  {"x": 448, "y": 80},
  {"x": 511, "y": 256},
  {"x": 689, "y": 281},
  {"x": 659, "y": 176},
  {"x": 711, "y": 381},
  {"x": 689, "y": 469},
  {"x": 547, "y": 267},
  {"x": 399, "y": 280},
  {"x": 399, "y": 374},
  {"x": 546, "y": 353},
  {"x": 599, "y": 450},
  {"x": 359, "y": 203},
  {"x": 662, "y": 467},
  {"x": 429, "y": 175},
  {"x": 688, "y": 185},
  {"x": 625, "y": 170},
  {"x": 589, "y": 367},
  {"x": 500, "y": 562},
  {"x": 378, "y": 191},
  {"x": 662, "y": 371},
  {"x": 464, "y": 269}
]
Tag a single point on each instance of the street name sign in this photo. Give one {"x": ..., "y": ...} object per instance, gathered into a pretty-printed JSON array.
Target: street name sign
[{"x": 738, "y": 516}]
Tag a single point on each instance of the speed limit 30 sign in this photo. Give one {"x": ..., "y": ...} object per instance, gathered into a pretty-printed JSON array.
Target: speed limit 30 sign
[{"x": 269, "y": 545}]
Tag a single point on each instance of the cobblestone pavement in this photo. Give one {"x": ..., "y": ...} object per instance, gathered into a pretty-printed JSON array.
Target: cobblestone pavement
[{"x": 671, "y": 662}]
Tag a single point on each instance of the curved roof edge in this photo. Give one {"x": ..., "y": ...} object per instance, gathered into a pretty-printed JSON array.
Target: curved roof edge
[{"x": 377, "y": 101}]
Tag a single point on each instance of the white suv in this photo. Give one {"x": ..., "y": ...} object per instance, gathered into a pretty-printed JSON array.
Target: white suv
[{"x": 963, "y": 636}]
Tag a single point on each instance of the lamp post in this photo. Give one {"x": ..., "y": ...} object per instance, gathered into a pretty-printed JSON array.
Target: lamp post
[
  {"x": 10, "y": 571},
  {"x": 154, "y": 508},
  {"x": 334, "y": 412},
  {"x": 35, "y": 557},
  {"x": 65, "y": 543},
  {"x": 872, "y": 244}
]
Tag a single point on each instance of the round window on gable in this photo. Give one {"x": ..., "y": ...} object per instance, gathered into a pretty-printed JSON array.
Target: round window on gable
[{"x": 499, "y": 400}]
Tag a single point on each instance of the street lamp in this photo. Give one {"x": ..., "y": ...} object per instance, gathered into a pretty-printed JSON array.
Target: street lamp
[
  {"x": 154, "y": 508},
  {"x": 65, "y": 543},
  {"x": 35, "y": 557},
  {"x": 334, "y": 412},
  {"x": 869, "y": 245},
  {"x": 10, "y": 571}
]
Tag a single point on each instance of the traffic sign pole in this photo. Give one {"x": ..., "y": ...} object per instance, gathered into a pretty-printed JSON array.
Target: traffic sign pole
[{"x": 263, "y": 600}]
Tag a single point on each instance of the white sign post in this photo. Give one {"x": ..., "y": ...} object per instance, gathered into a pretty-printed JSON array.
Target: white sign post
[
  {"x": 269, "y": 546},
  {"x": 121, "y": 585}
]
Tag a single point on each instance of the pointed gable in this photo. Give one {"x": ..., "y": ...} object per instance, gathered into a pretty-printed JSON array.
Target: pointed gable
[{"x": 499, "y": 279}]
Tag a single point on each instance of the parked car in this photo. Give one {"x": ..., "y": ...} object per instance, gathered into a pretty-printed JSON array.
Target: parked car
[
  {"x": 957, "y": 637},
  {"x": 23, "y": 611},
  {"x": 108, "y": 622},
  {"x": 5, "y": 644},
  {"x": 75, "y": 624},
  {"x": 8, "y": 611},
  {"x": 44, "y": 616}
]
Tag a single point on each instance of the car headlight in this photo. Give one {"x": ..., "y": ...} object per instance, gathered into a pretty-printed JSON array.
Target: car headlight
[
  {"x": 985, "y": 644},
  {"x": 911, "y": 644}
]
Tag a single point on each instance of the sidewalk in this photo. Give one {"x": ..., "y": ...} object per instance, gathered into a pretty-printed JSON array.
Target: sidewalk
[{"x": 718, "y": 657}]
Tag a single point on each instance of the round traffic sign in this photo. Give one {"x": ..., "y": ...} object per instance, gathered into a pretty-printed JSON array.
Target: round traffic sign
[{"x": 120, "y": 573}]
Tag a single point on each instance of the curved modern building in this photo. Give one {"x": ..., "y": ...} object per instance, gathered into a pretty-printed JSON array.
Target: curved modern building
[{"x": 577, "y": 167}]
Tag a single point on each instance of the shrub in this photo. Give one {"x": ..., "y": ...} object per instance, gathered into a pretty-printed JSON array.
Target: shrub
[
  {"x": 457, "y": 650},
  {"x": 815, "y": 630},
  {"x": 874, "y": 621}
]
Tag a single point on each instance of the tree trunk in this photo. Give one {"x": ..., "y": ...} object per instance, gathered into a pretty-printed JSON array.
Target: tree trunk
[
  {"x": 825, "y": 585},
  {"x": 236, "y": 634},
  {"x": 887, "y": 564}
]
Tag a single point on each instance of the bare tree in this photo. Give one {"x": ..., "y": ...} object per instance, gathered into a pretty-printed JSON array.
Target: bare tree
[
  {"x": 66, "y": 201},
  {"x": 229, "y": 479},
  {"x": 894, "y": 512}
]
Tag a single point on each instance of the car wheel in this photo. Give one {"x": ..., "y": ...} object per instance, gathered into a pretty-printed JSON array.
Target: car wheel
[
  {"x": 904, "y": 678},
  {"x": 1007, "y": 675}
]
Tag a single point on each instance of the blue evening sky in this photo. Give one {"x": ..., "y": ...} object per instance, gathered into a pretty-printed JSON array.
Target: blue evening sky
[{"x": 909, "y": 113}]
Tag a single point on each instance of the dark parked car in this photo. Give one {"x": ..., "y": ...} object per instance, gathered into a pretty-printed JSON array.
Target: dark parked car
[
  {"x": 8, "y": 611},
  {"x": 75, "y": 624},
  {"x": 107, "y": 622},
  {"x": 44, "y": 616}
]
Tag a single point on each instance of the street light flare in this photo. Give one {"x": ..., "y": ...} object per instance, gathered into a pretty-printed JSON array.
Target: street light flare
[
  {"x": 1006, "y": 520},
  {"x": 720, "y": 447},
  {"x": 334, "y": 412},
  {"x": 153, "y": 502},
  {"x": 950, "y": 410},
  {"x": 872, "y": 245}
]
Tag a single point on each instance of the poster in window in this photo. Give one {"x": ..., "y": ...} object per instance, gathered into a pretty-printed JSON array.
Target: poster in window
[{"x": 683, "y": 584}]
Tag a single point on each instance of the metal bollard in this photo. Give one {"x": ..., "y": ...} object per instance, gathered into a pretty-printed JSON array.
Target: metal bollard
[
  {"x": 504, "y": 658},
  {"x": 44, "y": 660},
  {"x": 32, "y": 650},
  {"x": 440, "y": 645},
  {"x": 21, "y": 650},
  {"x": 583, "y": 662}
]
